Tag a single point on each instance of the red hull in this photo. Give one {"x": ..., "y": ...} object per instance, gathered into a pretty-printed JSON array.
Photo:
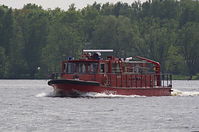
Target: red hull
[{"x": 70, "y": 89}]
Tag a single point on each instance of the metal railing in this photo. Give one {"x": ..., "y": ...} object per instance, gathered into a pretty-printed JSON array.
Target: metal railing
[
  {"x": 166, "y": 80},
  {"x": 137, "y": 80}
]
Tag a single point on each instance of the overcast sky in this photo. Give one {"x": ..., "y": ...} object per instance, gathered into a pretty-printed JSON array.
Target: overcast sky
[{"x": 63, "y": 4}]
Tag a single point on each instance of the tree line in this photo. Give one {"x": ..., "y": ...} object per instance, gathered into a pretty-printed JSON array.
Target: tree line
[{"x": 34, "y": 41}]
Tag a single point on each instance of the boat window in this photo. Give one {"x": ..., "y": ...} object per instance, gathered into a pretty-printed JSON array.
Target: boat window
[
  {"x": 70, "y": 68},
  {"x": 136, "y": 69},
  {"x": 82, "y": 68},
  {"x": 102, "y": 68},
  {"x": 92, "y": 67},
  {"x": 65, "y": 67},
  {"x": 116, "y": 68}
]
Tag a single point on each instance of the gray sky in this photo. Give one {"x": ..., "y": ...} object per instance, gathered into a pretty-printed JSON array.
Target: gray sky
[{"x": 63, "y": 4}]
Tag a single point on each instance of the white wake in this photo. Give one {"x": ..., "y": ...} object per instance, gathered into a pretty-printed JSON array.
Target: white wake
[
  {"x": 51, "y": 94},
  {"x": 184, "y": 93},
  {"x": 87, "y": 95},
  {"x": 103, "y": 95}
]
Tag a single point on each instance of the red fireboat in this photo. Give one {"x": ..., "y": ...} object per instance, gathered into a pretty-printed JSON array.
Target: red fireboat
[{"x": 111, "y": 75}]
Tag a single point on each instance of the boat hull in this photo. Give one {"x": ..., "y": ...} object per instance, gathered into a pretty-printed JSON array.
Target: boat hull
[{"x": 74, "y": 87}]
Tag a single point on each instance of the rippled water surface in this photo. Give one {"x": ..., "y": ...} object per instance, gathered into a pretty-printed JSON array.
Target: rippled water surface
[{"x": 29, "y": 105}]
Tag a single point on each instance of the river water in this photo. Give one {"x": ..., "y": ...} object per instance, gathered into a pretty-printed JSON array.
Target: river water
[{"x": 30, "y": 106}]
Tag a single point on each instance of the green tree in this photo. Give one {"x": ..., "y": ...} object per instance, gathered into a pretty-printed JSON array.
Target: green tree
[
  {"x": 90, "y": 15},
  {"x": 189, "y": 43},
  {"x": 163, "y": 30},
  {"x": 6, "y": 27},
  {"x": 157, "y": 39},
  {"x": 115, "y": 33},
  {"x": 3, "y": 63},
  {"x": 34, "y": 26},
  {"x": 63, "y": 41},
  {"x": 17, "y": 63},
  {"x": 189, "y": 11},
  {"x": 175, "y": 63}
]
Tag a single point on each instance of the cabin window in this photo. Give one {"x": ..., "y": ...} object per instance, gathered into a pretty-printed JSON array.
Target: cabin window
[
  {"x": 70, "y": 68},
  {"x": 92, "y": 67},
  {"x": 102, "y": 68},
  {"x": 116, "y": 68},
  {"x": 136, "y": 70},
  {"x": 65, "y": 67},
  {"x": 82, "y": 68}
]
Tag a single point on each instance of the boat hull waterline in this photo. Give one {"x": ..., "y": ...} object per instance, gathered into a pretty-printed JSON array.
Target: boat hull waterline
[{"x": 72, "y": 87}]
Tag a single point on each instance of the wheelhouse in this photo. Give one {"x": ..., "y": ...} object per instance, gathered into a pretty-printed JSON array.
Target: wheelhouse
[
  {"x": 80, "y": 67},
  {"x": 114, "y": 66}
]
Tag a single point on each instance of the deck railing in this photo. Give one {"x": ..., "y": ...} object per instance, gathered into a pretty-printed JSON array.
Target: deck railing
[
  {"x": 166, "y": 80},
  {"x": 137, "y": 80}
]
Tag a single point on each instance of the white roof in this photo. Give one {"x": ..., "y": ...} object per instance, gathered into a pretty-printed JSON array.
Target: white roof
[{"x": 96, "y": 50}]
